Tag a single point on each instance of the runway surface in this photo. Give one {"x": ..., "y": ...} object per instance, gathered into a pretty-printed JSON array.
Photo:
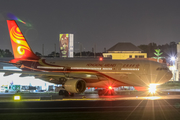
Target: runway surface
[
  {"x": 106, "y": 107},
  {"x": 55, "y": 97}
]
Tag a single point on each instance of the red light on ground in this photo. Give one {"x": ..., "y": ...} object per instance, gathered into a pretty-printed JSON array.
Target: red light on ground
[
  {"x": 100, "y": 59},
  {"x": 110, "y": 88},
  {"x": 138, "y": 88}
]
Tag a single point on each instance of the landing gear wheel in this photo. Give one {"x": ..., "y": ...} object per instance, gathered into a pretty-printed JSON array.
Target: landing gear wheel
[
  {"x": 64, "y": 93},
  {"x": 100, "y": 92},
  {"x": 72, "y": 94},
  {"x": 61, "y": 92},
  {"x": 106, "y": 92},
  {"x": 112, "y": 92}
]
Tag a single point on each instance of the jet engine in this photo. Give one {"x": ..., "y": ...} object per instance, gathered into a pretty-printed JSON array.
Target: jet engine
[{"x": 75, "y": 85}]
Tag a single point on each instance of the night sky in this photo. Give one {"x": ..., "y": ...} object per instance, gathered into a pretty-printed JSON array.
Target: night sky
[{"x": 93, "y": 22}]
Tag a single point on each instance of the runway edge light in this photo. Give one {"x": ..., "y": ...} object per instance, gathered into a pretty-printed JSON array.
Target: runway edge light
[
  {"x": 17, "y": 97},
  {"x": 100, "y": 58},
  {"x": 152, "y": 88}
]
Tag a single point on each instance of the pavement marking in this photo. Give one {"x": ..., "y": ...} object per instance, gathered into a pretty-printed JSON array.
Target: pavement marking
[{"x": 101, "y": 99}]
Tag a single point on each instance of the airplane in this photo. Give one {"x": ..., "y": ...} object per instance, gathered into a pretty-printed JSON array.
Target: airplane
[{"x": 76, "y": 75}]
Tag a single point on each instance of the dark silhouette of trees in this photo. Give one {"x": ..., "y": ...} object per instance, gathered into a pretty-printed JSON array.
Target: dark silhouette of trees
[
  {"x": 167, "y": 49},
  {"x": 53, "y": 54},
  {"x": 87, "y": 54},
  {"x": 38, "y": 54},
  {"x": 1, "y": 53},
  {"x": 5, "y": 53},
  {"x": 149, "y": 49}
]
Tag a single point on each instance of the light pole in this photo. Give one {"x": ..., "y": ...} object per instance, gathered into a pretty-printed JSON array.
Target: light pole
[
  {"x": 173, "y": 67},
  {"x": 81, "y": 48}
]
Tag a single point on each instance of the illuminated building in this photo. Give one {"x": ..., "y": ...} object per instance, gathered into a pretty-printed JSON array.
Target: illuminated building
[
  {"x": 177, "y": 63},
  {"x": 124, "y": 51},
  {"x": 14, "y": 82},
  {"x": 66, "y": 42}
]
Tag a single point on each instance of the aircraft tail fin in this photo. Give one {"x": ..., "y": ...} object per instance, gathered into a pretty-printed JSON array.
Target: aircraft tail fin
[{"x": 19, "y": 44}]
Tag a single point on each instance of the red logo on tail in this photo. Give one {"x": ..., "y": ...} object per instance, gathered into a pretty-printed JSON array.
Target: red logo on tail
[{"x": 20, "y": 46}]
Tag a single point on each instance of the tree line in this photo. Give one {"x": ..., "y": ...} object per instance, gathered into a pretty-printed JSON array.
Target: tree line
[
  {"x": 167, "y": 49},
  {"x": 5, "y": 53}
]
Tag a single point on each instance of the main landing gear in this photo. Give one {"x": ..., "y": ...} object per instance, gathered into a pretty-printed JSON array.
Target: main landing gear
[
  {"x": 106, "y": 92},
  {"x": 65, "y": 93}
]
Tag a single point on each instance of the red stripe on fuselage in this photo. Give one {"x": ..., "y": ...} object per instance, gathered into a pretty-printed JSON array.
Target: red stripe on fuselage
[{"x": 27, "y": 67}]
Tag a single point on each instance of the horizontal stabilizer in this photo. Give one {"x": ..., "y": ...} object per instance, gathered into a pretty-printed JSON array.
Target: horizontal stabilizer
[
  {"x": 24, "y": 75},
  {"x": 5, "y": 62},
  {"x": 8, "y": 73}
]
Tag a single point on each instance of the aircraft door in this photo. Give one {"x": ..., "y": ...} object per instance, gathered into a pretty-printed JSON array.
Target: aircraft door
[
  {"x": 118, "y": 67},
  {"x": 146, "y": 69},
  {"x": 119, "y": 74},
  {"x": 145, "y": 76}
]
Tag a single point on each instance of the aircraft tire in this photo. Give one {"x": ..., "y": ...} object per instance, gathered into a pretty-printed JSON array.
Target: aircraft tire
[
  {"x": 112, "y": 92},
  {"x": 100, "y": 92},
  {"x": 66, "y": 93},
  {"x": 61, "y": 92},
  {"x": 105, "y": 92},
  {"x": 71, "y": 94}
]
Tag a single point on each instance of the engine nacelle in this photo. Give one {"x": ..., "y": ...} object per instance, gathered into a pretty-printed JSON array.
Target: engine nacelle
[{"x": 75, "y": 86}]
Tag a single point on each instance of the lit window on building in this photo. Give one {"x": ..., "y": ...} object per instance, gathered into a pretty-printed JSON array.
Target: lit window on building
[
  {"x": 109, "y": 56},
  {"x": 141, "y": 56}
]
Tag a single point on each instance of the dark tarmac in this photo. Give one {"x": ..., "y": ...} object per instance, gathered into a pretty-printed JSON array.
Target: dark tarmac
[{"x": 121, "y": 107}]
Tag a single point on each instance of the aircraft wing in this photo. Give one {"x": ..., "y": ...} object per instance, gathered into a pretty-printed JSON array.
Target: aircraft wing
[
  {"x": 55, "y": 76},
  {"x": 33, "y": 72}
]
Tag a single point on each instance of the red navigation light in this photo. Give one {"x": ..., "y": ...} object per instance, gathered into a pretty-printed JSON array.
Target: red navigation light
[
  {"x": 110, "y": 88},
  {"x": 101, "y": 59}
]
